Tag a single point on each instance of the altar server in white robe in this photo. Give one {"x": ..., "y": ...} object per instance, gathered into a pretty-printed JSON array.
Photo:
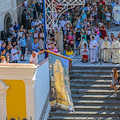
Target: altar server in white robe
[
  {"x": 106, "y": 50},
  {"x": 100, "y": 50},
  {"x": 97, "y": 38},
  {"x": 116, "y": 14},
  {"x": 81, "y": 45},
  {"x": 93, "y": 50},
  {"x": 115, "y": 51}
]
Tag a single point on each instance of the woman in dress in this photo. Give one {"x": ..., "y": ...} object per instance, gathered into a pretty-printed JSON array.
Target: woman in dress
[
  {"x": 114, "y": 81},
  {"x": 103, "y": 13}
]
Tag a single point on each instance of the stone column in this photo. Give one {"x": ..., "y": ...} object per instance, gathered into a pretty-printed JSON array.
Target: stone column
[
  {"x": 59, "y": 39},
  {"x": 29, "y": 84}
]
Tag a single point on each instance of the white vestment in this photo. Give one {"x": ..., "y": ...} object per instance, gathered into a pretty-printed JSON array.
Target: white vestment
[
  {"x": 116, "y": 13},
  {"x": 93, "y": 51},
  {"x": 100, "y": 51},
  {"x": 81, "y": 45},
  {"x": 115, "y": 52},
  {"x": 106, "y": 51},
  {"x": 97, "y": 38}
]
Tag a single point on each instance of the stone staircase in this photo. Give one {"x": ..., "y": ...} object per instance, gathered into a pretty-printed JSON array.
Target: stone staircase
[{"x": 92, "y": 96}]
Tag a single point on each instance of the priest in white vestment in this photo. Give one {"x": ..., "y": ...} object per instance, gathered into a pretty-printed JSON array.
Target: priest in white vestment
[
  {"x": 116, "y": 14},
  {"x": 106, "y": 50},
  {"x": 81, "y": 45},
  {"x": 93, "y": 50},
  {"x": 115, "y": 51}
]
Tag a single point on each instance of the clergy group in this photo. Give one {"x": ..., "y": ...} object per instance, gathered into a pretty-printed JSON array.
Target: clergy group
[{"x": 107, "y": 49}]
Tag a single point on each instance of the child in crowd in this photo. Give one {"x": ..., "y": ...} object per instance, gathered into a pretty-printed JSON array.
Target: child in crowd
[
  {"x": 3, "y": 59},
  {"x": 69, "y": 52},
  {"x": 108, "y": 15},
  {"x": 55, "y": 50},
  {"x": 85, "y": 53}
]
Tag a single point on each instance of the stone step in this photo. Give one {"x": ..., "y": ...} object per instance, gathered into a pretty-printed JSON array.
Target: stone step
[
  {"x": 103, "y": 72},
  {"x": 94, "y": 67},
  {"x": 87, "y": 76},
  {"x": 93, "y": 81},
  {"x": 93, "y": 91},
  {"x": 91, "y": 108},
  {"x": 86, "y": 113},
  {"x": 97, "y": 102},
  {"x": 94, "y": 97},
  {"x": 92, "y": 71},
  {"x": 82, "y": 118},
  {"x": 92, "y": 86}
]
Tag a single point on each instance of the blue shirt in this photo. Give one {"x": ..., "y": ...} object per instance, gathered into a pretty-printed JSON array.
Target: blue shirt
[
  {"x": 42, "y": 21},
  {"x": 113, "y": 4},
  {"x": 2, "y": 48},
  {"x": 16, "y": 27},
  {"x": 32, "y": 30},
  {"x": 22, "y": 42},
  {"x": 85, "y": 9},
  {"x": 34, "y": 46}
]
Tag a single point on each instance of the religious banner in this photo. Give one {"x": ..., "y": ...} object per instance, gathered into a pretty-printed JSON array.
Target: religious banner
[{"x": 60, "y": 94}]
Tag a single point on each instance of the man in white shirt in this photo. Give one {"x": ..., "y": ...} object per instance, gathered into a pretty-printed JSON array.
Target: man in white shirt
[
  {"x": 14, "y": 54},
  {"x": 20, "y": 33},
  {"x": 34, "y": 57},
  {"x": 25, "y": 3},
  {"x": 62, "y": 22}
]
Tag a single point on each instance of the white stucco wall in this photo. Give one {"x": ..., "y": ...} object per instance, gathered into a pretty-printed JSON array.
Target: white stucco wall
[
  {"x": 41, "y": 89},
  {"x": 7, "y": 6}
]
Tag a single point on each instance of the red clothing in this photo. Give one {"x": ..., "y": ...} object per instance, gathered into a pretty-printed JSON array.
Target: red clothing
[
  {"x": 85, "y": 57},
  {"x": 103, "y": 32},
  {"x": 85, "y": 54},
  {"x": 102, "y": 2}
]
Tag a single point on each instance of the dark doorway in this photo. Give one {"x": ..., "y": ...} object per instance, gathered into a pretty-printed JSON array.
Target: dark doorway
[{"x": 7, "y": 22}]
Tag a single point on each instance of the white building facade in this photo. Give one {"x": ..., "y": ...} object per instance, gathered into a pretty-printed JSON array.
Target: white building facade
[{"x": 8, "y": 13}]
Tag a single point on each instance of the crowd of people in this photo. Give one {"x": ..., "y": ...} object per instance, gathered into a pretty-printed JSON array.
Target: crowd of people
[
  {"x": 81, "y": 30},
  {"x": 27, "y": 38}
]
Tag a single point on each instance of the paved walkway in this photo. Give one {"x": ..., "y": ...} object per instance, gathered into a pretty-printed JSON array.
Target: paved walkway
[{"x": 77, "y": 62}]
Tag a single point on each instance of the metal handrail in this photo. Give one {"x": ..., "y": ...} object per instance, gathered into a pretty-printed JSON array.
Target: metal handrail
[{"x": 109, "y": 51}]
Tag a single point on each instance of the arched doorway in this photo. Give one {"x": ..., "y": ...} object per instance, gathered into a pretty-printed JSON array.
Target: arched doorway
[{"x": 7, "y": 21}]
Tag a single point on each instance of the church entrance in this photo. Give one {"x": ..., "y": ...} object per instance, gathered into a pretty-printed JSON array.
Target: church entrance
[{"x": 7, "y": 22}]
